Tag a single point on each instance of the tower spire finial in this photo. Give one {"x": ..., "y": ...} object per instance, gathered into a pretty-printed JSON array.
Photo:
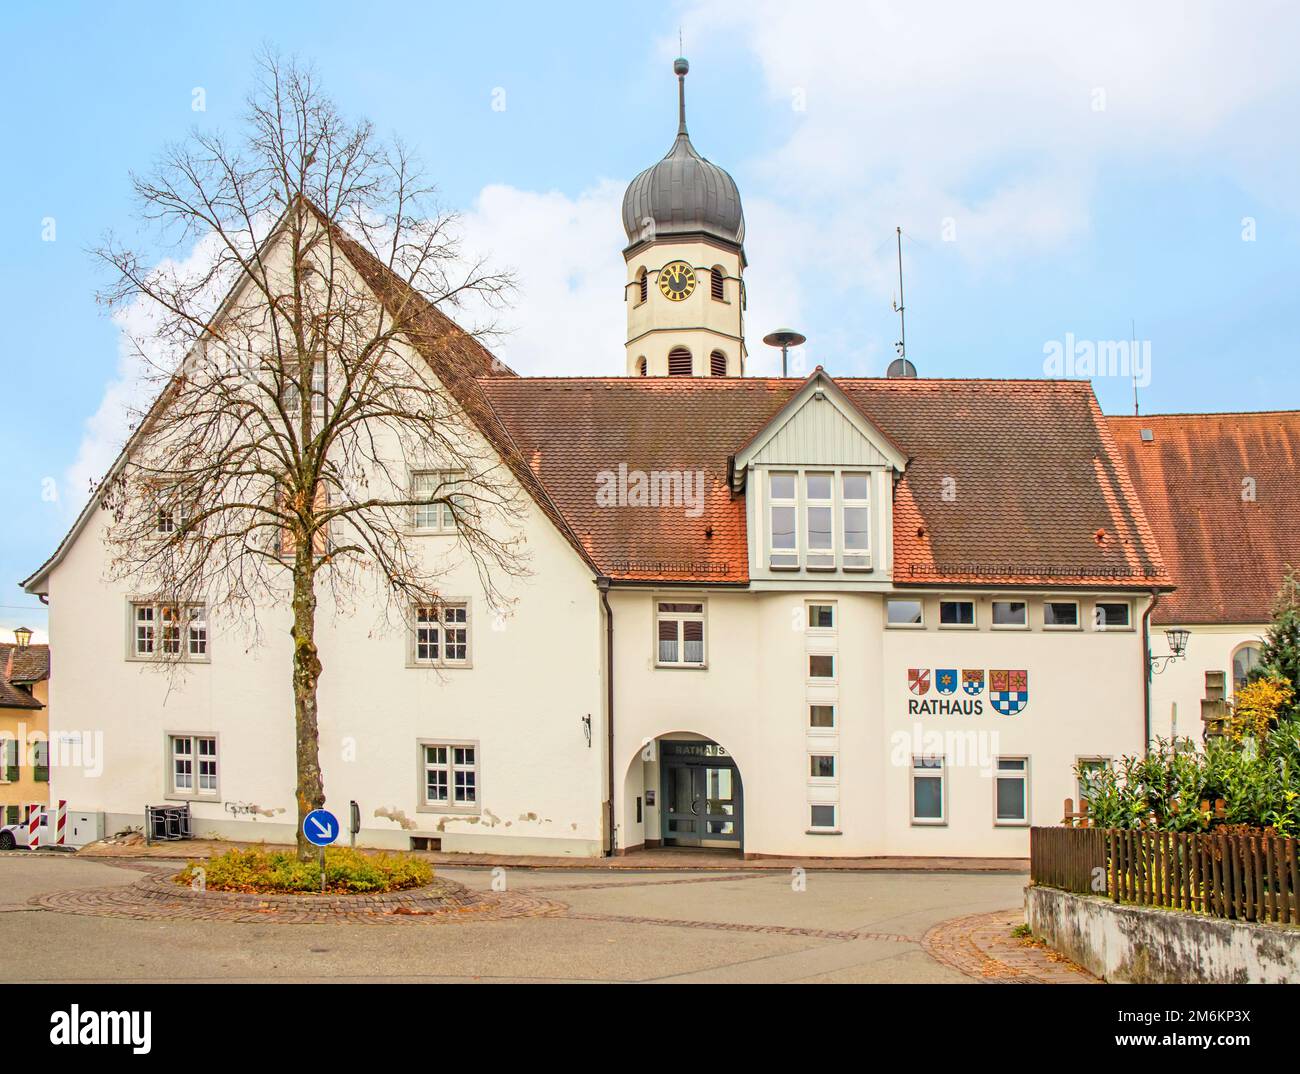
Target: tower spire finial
[{"x": 680, "y": 67}]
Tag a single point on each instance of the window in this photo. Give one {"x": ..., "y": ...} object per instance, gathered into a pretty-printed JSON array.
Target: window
[
  {"x": 1111, "y": 615},
  {"x": 718, "y": 283},
  {"x": 821, "y": 666},
  {"x": 193, "y": 766},
  {"x": 680, "y": 633},
  {"x": 169, "y": 517},
  {"x": 1011, "y": 791},
  {"x": 822, "y": 817},
  {"x": 642, "y": 286},
  {"x": 821, "y": 616},
  {"x": 928, "y": 798},
  {"x": 1061, "y": 615},
  {"x": 434, "y": 484},
  {"x": 856, "y": 515},
  {"x": 821, "y": 717},
  {"x": 903, "y": 613},
  {"x": 783, "y": 513},
  {"x": 956, "y": 613},
  {"x": 1084, "y": 770},
  {"x": 293, "y": 398},
  {"x": 642, "y": 367},
  {"x": 1244, "y": 661},
  {"x": 449, "y": 774},
  {"x": 679, "y": 362},
  {"x": 821, "y": 765},
  {"x": 819, "y": 512},
  {"x": 441, "y": 635},
  {"x": 717, "y": 364},
  {"x": 1010, "y": 614},
  {"x": 169, "y": 631}
]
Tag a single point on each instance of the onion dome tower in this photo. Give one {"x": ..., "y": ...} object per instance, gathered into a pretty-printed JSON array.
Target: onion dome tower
[{"x": 685, "y": 259}]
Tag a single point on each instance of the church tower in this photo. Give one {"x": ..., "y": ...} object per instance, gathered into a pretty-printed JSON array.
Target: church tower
[{"x": 685, "y": 257}]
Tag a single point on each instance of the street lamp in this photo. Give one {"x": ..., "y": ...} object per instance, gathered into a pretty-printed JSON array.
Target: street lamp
[
  {"x": 1177, "y": 640},
  {"x": 22, "y": 636}
]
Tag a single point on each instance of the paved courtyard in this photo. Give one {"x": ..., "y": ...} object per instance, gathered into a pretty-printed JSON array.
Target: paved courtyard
[{"x": 562, "y": 925}]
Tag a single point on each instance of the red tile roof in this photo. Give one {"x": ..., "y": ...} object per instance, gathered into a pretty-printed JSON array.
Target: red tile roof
[
  {"x": 1226, "y": 551},
  {"x": 1039, "y": 494},
  {"x": 20, "y": 666}
]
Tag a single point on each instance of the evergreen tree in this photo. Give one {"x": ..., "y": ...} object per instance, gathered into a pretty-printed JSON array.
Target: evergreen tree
[{"x": 1280, "y": 655}]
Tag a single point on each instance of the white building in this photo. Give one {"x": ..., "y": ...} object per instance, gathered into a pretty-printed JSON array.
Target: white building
[
  {"x": 824, "y": 616},
  {"x": 1221, "y": 495}
]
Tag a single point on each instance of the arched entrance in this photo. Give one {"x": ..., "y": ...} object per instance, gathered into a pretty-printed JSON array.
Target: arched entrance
[{"x": 701, "y": 794}]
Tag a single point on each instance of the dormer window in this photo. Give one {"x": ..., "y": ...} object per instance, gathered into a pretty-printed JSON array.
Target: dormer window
[{"x": 819, "y": 520}]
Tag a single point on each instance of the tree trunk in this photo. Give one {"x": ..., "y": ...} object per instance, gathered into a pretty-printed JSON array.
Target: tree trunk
[{"x": 306, "y": 676}]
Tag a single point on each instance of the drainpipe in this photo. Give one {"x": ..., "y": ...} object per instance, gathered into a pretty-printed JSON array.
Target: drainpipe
[
  {"x": 1146, "y": 671},
  {"x": 602, "y": 584}
]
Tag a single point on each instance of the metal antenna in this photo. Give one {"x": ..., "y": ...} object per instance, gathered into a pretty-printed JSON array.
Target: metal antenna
[
  {"x": 1133, "y": 362},
  {"x": 901, "y": 345}
]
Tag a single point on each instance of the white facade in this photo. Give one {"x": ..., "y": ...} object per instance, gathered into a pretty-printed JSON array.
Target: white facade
[{"x": 1179, "y": 686}]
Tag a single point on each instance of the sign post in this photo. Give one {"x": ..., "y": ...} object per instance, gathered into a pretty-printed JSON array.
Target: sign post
[{"x": 321, "y": 827}]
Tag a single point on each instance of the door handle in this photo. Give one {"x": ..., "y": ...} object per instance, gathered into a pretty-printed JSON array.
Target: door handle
[{"x": 695, "y": 802}]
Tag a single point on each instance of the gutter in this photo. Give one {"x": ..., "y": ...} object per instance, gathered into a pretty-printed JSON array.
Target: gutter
[
  {"x": 602, "y": 585},
  {"x": 1146, "y": 672}
]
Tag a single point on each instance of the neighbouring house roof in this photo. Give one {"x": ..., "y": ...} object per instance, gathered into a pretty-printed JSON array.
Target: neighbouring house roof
[
  {"x": 1221, "y": 493},
  {"x": 1014, "y": 482},
  {"x": 20, "y": 667}
]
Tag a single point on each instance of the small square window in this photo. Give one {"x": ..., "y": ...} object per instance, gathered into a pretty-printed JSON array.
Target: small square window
[
  {"x": 821, "y": 816},
  {"x": 680, "y": 631},
  {"x": 1061, "y": 614},
  {"x": 821, "y": 666},
  {"x": 957, "y": 613},
  {"x": 821, "y": 616},
  {"x": 821, "y": 765},
  {"x": 1111, "y": 615},
  {"x": 1010, "y": 613},
  {"x": 903, "y": 613},
  {"x": 821, "y": 717}
]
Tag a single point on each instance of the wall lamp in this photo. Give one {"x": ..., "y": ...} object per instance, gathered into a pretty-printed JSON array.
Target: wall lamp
[{"x": 1177, "y": 650}]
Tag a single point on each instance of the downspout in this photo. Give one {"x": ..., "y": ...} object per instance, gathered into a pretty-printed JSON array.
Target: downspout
[
  {"x": 1146, "y": 671},
  {"x": 602, "y": 584}
]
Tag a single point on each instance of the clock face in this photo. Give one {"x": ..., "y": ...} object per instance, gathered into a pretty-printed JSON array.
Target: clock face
[{"x": 676, "y": 281}]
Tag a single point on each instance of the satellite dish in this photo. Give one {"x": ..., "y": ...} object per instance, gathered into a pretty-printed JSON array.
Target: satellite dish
[
  {"x": 785, "y": 338},
  {"x": 900, "y": 367}
]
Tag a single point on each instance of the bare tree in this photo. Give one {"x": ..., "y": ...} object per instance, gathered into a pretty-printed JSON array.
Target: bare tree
[{"x": 277, "y": 457}]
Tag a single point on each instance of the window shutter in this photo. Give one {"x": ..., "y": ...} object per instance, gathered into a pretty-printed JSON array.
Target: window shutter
[
  {"x": 717, "y": 285},
  {"x": 679, "y": 362},
  {"x": 718, "y": 364}
]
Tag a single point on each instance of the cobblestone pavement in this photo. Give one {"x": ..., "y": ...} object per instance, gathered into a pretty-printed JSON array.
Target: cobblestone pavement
[{"x": 985, "y": 947}]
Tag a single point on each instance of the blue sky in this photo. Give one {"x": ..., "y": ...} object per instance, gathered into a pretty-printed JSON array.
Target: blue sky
[{"x": 1055, "y": 175}]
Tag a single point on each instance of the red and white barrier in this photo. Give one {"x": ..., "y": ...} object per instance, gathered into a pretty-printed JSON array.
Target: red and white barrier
[
  {"x": 61, "y": 822},
  {"x": 33, "y": 824}
]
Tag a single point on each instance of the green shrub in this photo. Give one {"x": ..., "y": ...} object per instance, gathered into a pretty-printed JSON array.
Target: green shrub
[{"x": 278, "y": 871}]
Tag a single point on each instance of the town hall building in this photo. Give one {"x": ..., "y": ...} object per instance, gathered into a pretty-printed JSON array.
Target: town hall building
[{"x": 820, "y": 616}]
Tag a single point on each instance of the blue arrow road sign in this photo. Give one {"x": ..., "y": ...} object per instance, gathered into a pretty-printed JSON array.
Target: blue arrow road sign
[{"x": 321, "y": 827}]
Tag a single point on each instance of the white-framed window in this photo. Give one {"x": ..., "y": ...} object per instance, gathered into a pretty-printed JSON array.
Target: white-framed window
[
  {"x": 821, "y": 616},
  {"x": 292, "y": 397},
  {"x": 821, "y": 716},
  {"x": 449, "y": 777},
  {"x": 819, "y": 520},
  {"x": 822, "y": 766},
  {"x": 1060, "y": 615},
  {"x": 821, "y": 667},
  {"x": 783, "y": 520},
  {"x": 163, "y": 631},
  {"x": 434, "y": 517},
  {"x": 679, "y": 633},
  {"x": 1112, "y": 615},
  {"x": 823, "y": 816},
  {"x": 855, "y": 515},
  {"x": 929, "y": 791},
  {"x": 904, "y": 612},
  {"x": 440, "y": 635},
  {"x": 192, "y": 766},
  {"x": 1010, "y": 614},
  {"x": 1011, "y": 791},
  {"x": 1083, "y": 768},
  {"x": 957, "y": 614},
  {"x": 168, "y": 516}
]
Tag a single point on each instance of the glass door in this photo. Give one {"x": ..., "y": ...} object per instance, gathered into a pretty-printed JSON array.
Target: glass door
[{"x": 702, "y": 803}]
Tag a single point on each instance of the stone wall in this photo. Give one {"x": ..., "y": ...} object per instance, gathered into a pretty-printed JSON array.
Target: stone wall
[{"x": 1139, "y": 945}]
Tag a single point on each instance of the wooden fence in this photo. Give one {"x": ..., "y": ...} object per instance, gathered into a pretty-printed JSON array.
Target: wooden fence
[{"x": 1241, "y": 877}]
